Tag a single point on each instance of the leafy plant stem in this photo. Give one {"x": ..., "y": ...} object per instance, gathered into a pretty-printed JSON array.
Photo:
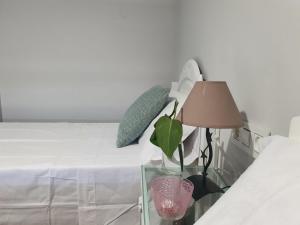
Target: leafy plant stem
[
  {"x": 180, "y": 157},
  {"x": 174, "y": 110}
]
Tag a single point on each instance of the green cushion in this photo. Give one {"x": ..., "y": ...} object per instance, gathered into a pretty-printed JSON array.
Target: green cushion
[{"x": 140, "y": 114}]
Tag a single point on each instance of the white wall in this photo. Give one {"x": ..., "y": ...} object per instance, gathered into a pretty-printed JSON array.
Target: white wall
[
  {"x": 82, "y": 60},
  {"x": 255, "y": 46},
  {"x": 87, "y": 60}
]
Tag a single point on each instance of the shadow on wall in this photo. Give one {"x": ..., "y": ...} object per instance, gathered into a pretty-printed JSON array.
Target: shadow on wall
[
  {"x": 229, "y": 157},
  {"x": 201, "y": 66},
  {"x": 232, "y": 159}
]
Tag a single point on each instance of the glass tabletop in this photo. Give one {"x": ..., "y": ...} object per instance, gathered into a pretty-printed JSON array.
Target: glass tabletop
[{"x": 197, "y": 209}]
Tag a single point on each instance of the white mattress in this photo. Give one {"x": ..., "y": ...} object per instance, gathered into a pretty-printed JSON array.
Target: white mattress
[
  {"x": 266, "y": 194},
  {"x": 63, "y": 173}
]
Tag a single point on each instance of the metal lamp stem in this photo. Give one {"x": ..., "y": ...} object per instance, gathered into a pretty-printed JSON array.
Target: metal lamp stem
[{"x": 210, "y": 153}]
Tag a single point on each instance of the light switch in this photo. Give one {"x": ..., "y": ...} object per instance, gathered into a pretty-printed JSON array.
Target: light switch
[
  {"x": 248, "y": 138},
  {"x": 256, "y": 143}
]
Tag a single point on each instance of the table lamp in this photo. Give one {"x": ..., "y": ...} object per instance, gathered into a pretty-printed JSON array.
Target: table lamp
[{"x": 209, "y": 105}]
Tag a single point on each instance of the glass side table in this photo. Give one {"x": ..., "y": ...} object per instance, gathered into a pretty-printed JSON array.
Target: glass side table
[{"x": 149, "y": 213}]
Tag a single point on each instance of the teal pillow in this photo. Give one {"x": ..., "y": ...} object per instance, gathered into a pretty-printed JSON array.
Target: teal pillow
[{"x": 140, "y": 114}]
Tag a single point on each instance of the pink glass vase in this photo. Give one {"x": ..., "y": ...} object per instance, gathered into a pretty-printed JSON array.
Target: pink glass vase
[{"x": 171, "y": 195}]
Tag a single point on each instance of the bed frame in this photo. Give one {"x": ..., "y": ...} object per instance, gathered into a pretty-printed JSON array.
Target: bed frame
[
  {"x": 189, "y": 75},
  {"x": 294, "y": 133}
]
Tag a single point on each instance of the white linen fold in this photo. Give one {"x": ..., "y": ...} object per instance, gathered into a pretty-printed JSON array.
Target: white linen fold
[
  {"x": 267, "y": 193},
  {"x": 69, "y": 177}
]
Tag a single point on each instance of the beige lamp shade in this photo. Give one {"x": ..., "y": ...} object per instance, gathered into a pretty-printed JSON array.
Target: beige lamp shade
[{"x": 210, "y": 105}]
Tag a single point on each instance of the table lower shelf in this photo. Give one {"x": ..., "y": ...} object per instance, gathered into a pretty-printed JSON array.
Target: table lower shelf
[{"x": 197, "y": 208}]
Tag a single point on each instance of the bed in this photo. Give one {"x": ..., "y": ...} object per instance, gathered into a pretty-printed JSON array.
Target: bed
[
  {"x": 65, "y": 173},
  {"x": 72, "y": 173},
  {"x": 267, "y": 193}
]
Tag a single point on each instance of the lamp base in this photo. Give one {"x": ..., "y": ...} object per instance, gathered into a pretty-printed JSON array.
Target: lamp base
[{"x": 203, "y": 186}]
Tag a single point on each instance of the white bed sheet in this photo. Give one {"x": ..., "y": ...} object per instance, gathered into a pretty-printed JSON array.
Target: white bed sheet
[
  {"x": 64, "y": 173},
  {"x": 266, "y": 194}
]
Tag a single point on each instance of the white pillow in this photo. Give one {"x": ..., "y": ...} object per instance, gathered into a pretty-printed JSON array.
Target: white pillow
[
  {"x": 152, "y": 152},
  {"x": 187, "y": 130},
  {"x": 181, "y": 98},
  {"x": 148, "y": 132},
  {"x": 173, "y": 91}
]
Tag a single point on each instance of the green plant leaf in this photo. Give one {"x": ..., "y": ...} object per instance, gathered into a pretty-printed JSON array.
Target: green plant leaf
[
  {"x": 167, "y": 135},
  {"x": 153, "y": 139}
]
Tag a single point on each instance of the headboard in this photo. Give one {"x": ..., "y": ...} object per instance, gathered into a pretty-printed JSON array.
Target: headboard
[
  {"x": 294, "y": 133},
  {"x": 189, "y": 75}
]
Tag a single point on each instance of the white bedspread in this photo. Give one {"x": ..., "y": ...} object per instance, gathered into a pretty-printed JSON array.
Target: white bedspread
[
  {"x": 268, "y": 193},
  {"x": 62, "y": 173}
]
